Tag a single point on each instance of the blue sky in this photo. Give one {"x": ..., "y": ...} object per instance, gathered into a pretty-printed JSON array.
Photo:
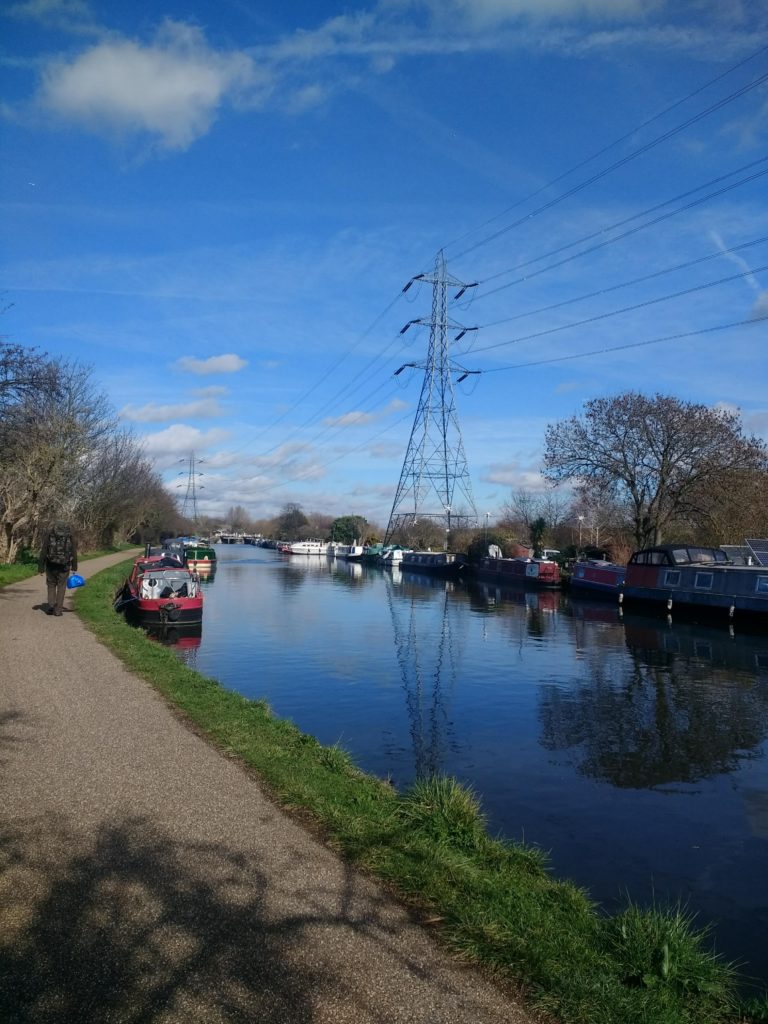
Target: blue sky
[{"x": 217, "y": 206}]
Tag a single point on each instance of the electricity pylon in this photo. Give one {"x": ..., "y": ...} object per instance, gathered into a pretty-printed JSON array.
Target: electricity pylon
[
  {"x": 434, "y": 481},
  {"x": 189, "y": 505}
]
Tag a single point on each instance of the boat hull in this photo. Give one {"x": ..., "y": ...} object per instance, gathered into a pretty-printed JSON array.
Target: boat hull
[
  {"x": 597, "y": 579},
  {"x": 530, "y": 572},
  {"x": 707, "y": 586},
  {"x": 445, "y": 564}
]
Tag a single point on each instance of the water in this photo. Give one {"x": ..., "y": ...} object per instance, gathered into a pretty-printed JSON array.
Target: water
[{"x": 631, "y": 750}]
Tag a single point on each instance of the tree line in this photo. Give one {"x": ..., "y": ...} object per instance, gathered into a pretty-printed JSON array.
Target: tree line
[
  {"x": 64, "y": 455},
  {"x": 638, "y": 470}
]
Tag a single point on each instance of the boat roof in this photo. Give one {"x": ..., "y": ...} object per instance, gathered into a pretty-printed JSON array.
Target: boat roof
[
  {"x": 680, "y": 554},
  {"x": 147, "y": 562}
]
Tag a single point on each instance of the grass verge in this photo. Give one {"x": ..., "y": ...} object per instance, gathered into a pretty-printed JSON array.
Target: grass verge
[
  {"x": 26, "y": 564},
  {"x": 495, "y": 903}
]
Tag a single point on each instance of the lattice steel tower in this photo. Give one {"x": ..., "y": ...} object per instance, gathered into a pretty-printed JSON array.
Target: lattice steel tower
[
  {"x": 189, "y": 505},
  {"x": 434, "y": 481}
]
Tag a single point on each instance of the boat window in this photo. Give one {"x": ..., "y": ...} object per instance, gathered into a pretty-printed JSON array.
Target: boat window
[
  {"x": 680, "y": 556},
  {"x": 761, "y": 587},
  {"x": 704, "y": 580},
  {"x": 658, "y": 558},
  {"x": 700, "y": 555},
  {"x": 672, "y": 577}
]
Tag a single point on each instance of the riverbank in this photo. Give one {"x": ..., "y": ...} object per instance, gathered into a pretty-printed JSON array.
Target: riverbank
[
  {"x": 145, "y": 877},
  {"x": 494, "y": 902}
]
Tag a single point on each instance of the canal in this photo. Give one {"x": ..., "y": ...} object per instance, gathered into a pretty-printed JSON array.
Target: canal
[{"x": 631, "y": 749}]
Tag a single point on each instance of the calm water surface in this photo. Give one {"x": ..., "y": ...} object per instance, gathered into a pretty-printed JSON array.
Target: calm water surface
[{"x": 631, "y": 750}]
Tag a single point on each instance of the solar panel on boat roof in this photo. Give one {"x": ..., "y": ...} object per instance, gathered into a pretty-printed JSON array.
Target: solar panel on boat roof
[{"x": 759, "y": 548}]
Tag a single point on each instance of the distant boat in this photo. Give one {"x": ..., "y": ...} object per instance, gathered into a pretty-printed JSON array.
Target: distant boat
[
  {"x": 307, "y": 547},
  {"x": 700, "y": 580},
  {"x": 193, "y": 552},
  {"x": 533, "y": 572},
  {"x": 435, "y": 563},
  {"x": 392, "y": 555},
  {"x": 352, "y": 552},
  {"x": 596, "y": 577}
]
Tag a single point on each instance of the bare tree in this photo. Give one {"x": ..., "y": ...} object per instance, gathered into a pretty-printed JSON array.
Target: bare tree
[{"x": 660, "y": 457}]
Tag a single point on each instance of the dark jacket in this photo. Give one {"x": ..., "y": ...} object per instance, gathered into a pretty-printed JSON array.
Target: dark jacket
[{"x": 44, "y": 561}]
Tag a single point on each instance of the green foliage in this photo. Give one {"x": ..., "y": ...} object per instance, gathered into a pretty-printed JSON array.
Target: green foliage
[
  {"x": 538, "y": 529},
  {"x": 348, "y": 529}
]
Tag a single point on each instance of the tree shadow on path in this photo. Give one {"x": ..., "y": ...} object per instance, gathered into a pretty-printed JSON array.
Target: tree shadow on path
[{"x": 141, "y": 928}]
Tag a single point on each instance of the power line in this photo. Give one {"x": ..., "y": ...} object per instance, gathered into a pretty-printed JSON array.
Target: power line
[
  {"x": 627, "y": 284},
  {"x": 625, "y": 309},
  {"x": 737, "y": 94},
  {"x": 639, "y": 227},
  {"x": 634, "y": 344},
  {"x": 611, "y": 145}
]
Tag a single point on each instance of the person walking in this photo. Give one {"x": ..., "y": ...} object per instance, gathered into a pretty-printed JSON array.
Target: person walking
[{"x": 58, "y": 557}]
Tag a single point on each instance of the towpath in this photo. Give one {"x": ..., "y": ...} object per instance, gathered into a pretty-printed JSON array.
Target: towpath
[{"x": 144, "y": 877}]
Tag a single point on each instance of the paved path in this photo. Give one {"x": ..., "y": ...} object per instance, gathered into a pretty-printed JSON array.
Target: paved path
[{"x": 146, "y": 878}]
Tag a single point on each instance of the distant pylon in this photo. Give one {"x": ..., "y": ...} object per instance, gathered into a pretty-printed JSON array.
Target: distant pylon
[
  {"x": 189, "y": 505},
  {"x": 434, "y": 481}
]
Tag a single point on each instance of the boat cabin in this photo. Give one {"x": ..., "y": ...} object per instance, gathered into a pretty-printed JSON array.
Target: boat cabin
[{"x": 680, "y": 554}]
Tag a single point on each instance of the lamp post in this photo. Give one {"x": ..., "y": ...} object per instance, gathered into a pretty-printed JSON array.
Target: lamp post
[
  {"x": 581, "y": 520},
  {"x": 485, "y": 535},
  {"x": 448, "y": 528}
]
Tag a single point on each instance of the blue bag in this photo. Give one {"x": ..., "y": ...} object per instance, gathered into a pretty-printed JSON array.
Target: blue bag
[{"x": 75, "y": 581}]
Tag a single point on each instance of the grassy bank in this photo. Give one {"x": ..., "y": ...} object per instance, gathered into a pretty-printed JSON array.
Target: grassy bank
[
  {"x": 26, "y": 564},
  {"x": 493, "y": 902}
]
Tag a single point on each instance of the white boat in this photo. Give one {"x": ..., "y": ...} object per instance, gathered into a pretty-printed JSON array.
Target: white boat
[
  {"x": 353, "y": 552},
  {"x": 308, "y": 547},
  {"x": 392, "y": 556}
]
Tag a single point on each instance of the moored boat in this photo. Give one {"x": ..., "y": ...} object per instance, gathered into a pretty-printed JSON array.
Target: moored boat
[
  {"x": 307, "y": 547},
  {"x": 437, "y": 563},
  {"x": 533, "y": 572},
  {"x": 351, "y": 552},
  {"x": 698, "y": 580},
  {"x": 160, "y": 591},
  {"x": 595, "y": 577}
]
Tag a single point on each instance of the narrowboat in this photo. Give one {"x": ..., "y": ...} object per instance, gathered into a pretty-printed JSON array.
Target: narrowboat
[
  {"x": 192, "y": 552},
  {"x": 160, "y": 591},
  {"x": 698, "y": 580},
  {"x": 531, "y": 572},
  {"x": 594, "y": 577},
  {"x": 446, "y": 564}
]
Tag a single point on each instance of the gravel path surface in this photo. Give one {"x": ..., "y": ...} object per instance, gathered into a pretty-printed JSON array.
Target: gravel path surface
[{"x": 146, "y": 878}]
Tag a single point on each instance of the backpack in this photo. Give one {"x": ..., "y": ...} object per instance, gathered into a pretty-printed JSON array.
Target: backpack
[{"x": 60, "y": 545}]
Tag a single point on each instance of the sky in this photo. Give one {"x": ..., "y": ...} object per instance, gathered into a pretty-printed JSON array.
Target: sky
[{"x": 216, "y": 208}]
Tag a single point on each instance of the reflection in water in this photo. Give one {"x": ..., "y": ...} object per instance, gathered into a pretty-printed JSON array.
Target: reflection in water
[
  {"x": 428, "y": 671},
  {"x": 179, "y": 636},
  {"x": 679, "y": 711},
  {"x": 633, "y": 752}
]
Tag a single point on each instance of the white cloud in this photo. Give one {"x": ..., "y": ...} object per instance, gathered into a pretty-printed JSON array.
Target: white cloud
[
  {"x": 151, "y": 413},
  {"x": 350, "y": 419},
  {"x": 214, "y": 391},
  {"x": 487, "y": 13},
  {"x": 166, "y": 446},
  {"x": 356, "y": 419},
  {"x": 229, "y": 363},
  {"x": 760, "y": 308},
  {"x": 169, "y": 90}
]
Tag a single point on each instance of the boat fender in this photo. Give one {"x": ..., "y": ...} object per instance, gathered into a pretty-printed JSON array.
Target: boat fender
[
  {"x": 669, "y": 604},
  {"x": 621, "y": 598},
  {"x": 731, "y": 611}
]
